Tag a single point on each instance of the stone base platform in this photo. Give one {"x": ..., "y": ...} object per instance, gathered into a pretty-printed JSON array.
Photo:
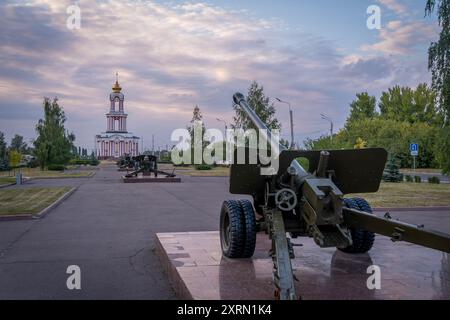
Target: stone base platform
[
  {"x": 196, "y": 269},
  {"x": 124, "y": 170},
  {"x": 152, "y": 179}
]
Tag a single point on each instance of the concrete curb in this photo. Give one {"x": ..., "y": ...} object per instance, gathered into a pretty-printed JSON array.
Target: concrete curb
[
  {"x": 442, "y": 208},
  {"x": 7, "y": 185},
  {"x": 48, "y": 178},
  {"x": 43, "y": 212}
]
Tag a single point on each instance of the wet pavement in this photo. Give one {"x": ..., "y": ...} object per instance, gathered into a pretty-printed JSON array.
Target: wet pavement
[{"x": 108, "y": 229}]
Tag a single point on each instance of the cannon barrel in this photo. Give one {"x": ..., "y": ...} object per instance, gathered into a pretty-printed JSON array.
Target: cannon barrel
[{"x": 239, "y": 100}]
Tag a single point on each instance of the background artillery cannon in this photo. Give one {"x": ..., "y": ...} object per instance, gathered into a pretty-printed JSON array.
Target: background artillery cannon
[
  {"x": 147, "y": 164},
  {"x": 309, "y": 203}
]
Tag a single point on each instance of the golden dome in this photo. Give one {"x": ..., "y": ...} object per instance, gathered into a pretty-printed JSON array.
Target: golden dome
[{"x": 117, "y": 87}]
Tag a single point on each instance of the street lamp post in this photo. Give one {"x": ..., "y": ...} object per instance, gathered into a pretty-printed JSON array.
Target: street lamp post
[
  {"x": 324, "y": 117},
  {"x": 226, "y": 124},
  {"x": 291, "y": 120}
]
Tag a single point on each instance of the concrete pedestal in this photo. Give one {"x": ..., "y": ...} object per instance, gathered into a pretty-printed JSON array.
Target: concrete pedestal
[
  {"x": 196, "y": 269},
  {"x": 150, "y": 179}
]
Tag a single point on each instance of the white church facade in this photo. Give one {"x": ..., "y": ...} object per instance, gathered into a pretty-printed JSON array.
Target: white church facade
[{"x": 116, "y": 141}]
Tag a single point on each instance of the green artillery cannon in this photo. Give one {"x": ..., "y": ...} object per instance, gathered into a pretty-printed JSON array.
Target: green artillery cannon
[
  {"x": 126, "y": 162},
  {"x": 147, "y": 164},
  {"x": 309, "y": 204}
]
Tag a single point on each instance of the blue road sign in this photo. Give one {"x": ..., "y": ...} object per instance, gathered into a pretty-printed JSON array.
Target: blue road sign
[{"x": 414, "y": 148}]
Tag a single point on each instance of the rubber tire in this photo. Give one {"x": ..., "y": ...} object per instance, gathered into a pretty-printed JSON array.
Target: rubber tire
[
  {"x": 232, "y": 214},
  {"x": 250, "y": 228},
  {"x": 362, "y": 240}
]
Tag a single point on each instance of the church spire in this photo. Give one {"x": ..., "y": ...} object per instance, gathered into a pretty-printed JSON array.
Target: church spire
[{"x": 117, "y": 87}]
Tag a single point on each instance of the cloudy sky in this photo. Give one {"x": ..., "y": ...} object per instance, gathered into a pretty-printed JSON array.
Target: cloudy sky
[{"x": 173, "y": 55}]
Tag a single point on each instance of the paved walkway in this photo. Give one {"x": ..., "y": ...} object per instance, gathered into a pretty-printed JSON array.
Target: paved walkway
[{"x": 108, "y": 229}]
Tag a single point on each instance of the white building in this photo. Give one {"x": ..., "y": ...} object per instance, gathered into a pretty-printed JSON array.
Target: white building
[{"x": 116, "y": 141}]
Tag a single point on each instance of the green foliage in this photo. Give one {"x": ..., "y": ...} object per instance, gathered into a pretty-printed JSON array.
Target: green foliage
[
  {"x": 406, "y": 116},
  {"x": 408, "y": 178},
  {"x": 392, "y": 171},
  {"x": 408, "y": 105},
  {"x": 80, "y": 162},
  {"x": 434, "y": 180},
  {"x": 285, "y": 143},
  {"x": 198, "y": 127},
  {"x": 4, "y": 165},
  {"x": 14, "y": 158},
  {"x": 304, "y": 162},
  {"x": 265, "y": 110},
  {"x": 417, "y": 179},
  {"x": 362, "y": 108},
  {"x": 54, "y": 144},
  {"x": 439, "y": 55},
  {"x": 93, "y": 161},
  {"x": 203, "y": 167},
  {"x": 17, "y": 144},
  {"x": 2, "y": 146},
  {"x": 439, "y": 65},
  {"x": 56, "y": 167},
  {"x": 442, "y": 149}
]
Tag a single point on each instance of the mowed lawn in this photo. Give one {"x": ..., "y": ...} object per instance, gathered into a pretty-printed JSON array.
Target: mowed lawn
[
  {"x": 409, "y": 195},
  {"x": 7, "y": 180},
  {"x": 37, "y": 173},
  {"x": 191, "y": 171},
  {"x": 28, "y": 200}
]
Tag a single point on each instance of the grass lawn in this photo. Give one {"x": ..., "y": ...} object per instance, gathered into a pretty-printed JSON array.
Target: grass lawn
[
  {"x": 409, "y": 195},
  {"x": 7, "y": 180},
  {"x": 38, "y": 173},
  {"x": 421, "y": 170},
  {"x": 191, "y": 171},
  {"x": 28, "y": 200}
]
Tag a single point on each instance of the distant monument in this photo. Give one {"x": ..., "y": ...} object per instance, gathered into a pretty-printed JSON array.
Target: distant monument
[{"x": 116, "y": 141}]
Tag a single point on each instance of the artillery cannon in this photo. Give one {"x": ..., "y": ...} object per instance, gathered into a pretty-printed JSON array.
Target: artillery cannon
[
  {"x": 309, "y": 203},
  {"x": 147, "y": 164},
  {"x": 126, "y": 162}
]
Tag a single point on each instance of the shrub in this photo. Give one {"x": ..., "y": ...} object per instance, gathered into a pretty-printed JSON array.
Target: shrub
[
  {"x": 434, "y": 180},
  {"x": 408, "y": 178},
  {"x": 4, "y": 166},
  {"x": 56, "y": 167},
  {"x": 34, "y": 163},
  {"x": 183, "y": 165},
  {"x": 203, "y": 167},
  {"x": 417, "y": 179}
]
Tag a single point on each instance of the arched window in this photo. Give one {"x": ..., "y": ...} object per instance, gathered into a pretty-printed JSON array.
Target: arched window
[{"x": 117, "y": 104}]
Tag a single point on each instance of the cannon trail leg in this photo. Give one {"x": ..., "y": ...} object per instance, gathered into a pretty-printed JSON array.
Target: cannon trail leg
[{"x": 283, "y": 276}]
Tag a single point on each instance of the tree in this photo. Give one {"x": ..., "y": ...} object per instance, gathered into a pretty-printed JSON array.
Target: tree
[
  {"x": 2, "y": 146},
  {"x": 439, "y": 65},
  {"x": 285, "y": 143},
  {"x": 360, "y": 144},
  {"x": 14, "y": 158},
  {"x": 17, "y": 144},
  {"x": 363, "y": 107},
  {"x": 197, "y": 130},
  {"x": 265, "y": 110},
  {"x": 392, "y": 171},
  {"x": 439, "y": 55},
  {"x": 54, "y": 144},
  {"x": 406, "y": 104}
]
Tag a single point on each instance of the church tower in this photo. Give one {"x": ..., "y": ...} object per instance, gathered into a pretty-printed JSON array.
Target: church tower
[
  {"x": 116, "y": 118},
  {"x": 116, "y": 141}
]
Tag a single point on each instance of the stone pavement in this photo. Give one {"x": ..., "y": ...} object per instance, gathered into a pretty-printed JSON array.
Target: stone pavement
[{"x": 108, "y": 229}]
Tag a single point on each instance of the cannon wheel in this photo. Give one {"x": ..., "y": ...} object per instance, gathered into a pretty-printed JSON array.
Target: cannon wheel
[
  {"x": 232, "y": 232},
  {"x": 237, "y": 229},
  {"x": 250, "y": 228},
  {"x": 362, "y": 240}
]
